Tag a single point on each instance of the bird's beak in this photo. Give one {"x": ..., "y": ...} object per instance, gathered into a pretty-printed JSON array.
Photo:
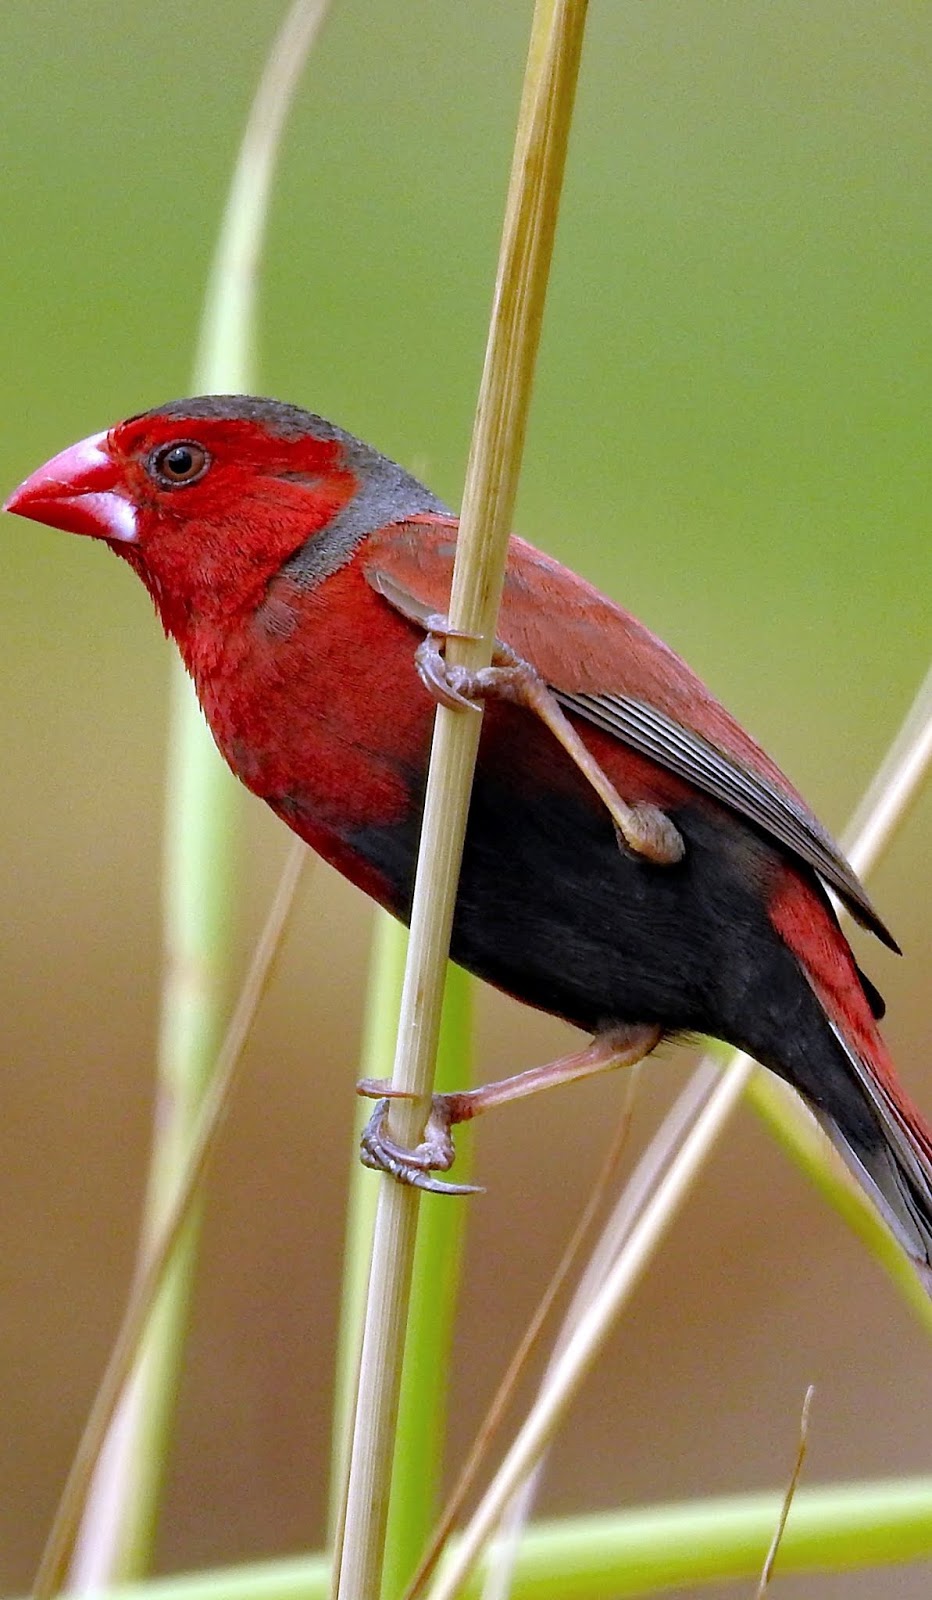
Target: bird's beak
[{"x": 77, "y": 491}]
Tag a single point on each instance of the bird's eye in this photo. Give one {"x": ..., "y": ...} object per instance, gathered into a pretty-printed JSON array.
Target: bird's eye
[{"x": 175, "y": 465}]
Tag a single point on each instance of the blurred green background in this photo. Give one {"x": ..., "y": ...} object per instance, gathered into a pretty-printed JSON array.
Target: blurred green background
[{"x": 730, "y": 434}]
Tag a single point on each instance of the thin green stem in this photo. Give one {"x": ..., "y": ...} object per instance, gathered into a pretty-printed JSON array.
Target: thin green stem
[
  {"x": 383, "y": 998},
  {"x": 422, "y": 1406},
  {"x": 831, "y": 1528}
]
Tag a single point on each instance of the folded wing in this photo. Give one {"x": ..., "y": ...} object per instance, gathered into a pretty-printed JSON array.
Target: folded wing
[{"x": 610, "y": 671}]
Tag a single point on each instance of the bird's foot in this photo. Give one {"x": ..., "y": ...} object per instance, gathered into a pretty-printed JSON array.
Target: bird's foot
[
  {"x": 618, "y": 1046},
  {"x": 434, "y": 1153},
  {"x": 458, "y": 688},
  {"x": 643, "y": 828}
]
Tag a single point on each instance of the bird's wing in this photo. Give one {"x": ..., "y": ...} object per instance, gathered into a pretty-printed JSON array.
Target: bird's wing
[{"x": 607, "y": 669}]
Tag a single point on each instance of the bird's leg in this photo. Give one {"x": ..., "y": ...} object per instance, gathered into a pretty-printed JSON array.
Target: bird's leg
[
  {"x": 644, "y": 828},
  {"x": 615, "y": 1047}
]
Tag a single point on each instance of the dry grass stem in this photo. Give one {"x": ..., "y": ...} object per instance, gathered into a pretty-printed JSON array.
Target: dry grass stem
[
  {"x": 791, "y": 1488},
  {"x": 497, "y": 1410},
  {"x": 641, "y": 1183},
  {"x": 488, "y": 503}
]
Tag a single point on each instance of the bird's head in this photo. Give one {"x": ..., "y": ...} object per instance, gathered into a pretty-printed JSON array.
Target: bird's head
[{"x": 208, "y": 498}]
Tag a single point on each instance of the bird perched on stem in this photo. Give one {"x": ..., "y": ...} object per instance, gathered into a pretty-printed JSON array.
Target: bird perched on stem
[{"x": 633, "y": 862}]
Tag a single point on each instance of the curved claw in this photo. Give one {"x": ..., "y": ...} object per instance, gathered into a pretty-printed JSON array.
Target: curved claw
[
  {"x": 413, "y": 1167},
  {"x": 381, "y": 1089},
  {"x": 436, "y": 623},
  {"x": 445, "y": 683}
]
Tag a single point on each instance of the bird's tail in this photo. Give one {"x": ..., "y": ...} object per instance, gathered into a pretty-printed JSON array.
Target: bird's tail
[
  {"x": 841, "y": 1064},
  {"x": 893, "y": 1157}
]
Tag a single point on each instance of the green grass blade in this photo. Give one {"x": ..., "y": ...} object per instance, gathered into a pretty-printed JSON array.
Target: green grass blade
[
  {"x": 422, "y": 1405},
  {"x": 832, "y": 1528},
  {"x": 383, "y": 996}
]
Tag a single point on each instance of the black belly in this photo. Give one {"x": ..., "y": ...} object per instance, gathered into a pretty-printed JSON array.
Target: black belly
[{"x": 553, "y": 910}]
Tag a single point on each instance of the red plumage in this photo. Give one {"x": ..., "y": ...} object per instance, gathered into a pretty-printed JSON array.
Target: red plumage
[{"x": 296, "y": 569}]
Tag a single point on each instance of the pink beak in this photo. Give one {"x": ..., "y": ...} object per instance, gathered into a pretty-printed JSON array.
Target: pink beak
[{"x": 77, "y": 491}]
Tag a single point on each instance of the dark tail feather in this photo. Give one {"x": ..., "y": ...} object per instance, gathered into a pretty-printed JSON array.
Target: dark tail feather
[
  {"x": 889, "y": 1152},
  {"x": 830, "y": 1050}
]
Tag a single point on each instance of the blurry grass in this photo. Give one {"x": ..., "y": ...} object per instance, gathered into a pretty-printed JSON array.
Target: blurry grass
[
  {"x": 118, "y": 1530},
  {"x": 199, "y": 875}
]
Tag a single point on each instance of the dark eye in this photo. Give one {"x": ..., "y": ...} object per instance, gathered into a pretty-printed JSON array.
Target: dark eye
[{"x": 177, "y": 464}]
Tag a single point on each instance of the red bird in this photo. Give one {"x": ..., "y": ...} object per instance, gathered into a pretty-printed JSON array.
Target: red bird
[{"x": 634, "y": 862}]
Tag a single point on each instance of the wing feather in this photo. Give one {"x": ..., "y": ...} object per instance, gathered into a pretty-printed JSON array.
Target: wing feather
[
  {"x": 694, "y": 758},
  {"x": 609, "y": 670}
]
